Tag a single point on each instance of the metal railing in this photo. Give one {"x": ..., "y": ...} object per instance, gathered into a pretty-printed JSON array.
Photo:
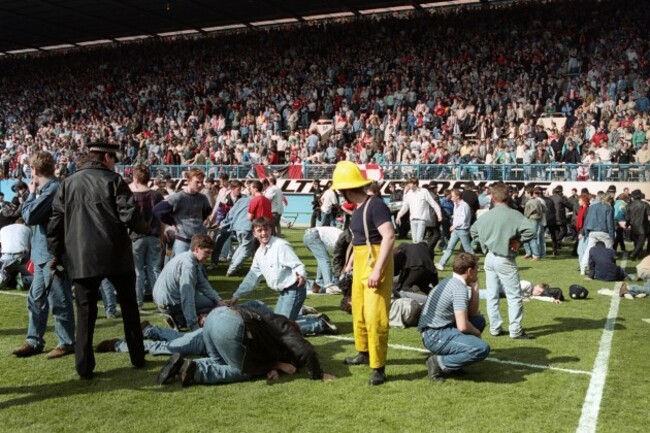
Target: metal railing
[{"x": 478, "y": 172}]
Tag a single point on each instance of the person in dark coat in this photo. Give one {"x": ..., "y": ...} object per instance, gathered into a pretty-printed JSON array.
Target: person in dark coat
[
  {"x": 562, "y": 205},
  {"x": 414, "y": 269},
  {"x": 90, "y": 215},
  {"x": 602, "y": 264},
  {"x": 637, "y": 213}
]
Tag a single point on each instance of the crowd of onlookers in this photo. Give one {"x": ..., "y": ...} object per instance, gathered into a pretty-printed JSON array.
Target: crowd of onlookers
[{"x": 464, "y": 85}]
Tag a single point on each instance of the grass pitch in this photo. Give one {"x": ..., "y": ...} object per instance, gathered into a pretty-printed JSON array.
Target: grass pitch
[{"x": 525, "y": 386}]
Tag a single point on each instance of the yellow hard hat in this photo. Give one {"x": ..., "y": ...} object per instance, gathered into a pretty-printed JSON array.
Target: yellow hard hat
[{"x": 348, "y": 176}]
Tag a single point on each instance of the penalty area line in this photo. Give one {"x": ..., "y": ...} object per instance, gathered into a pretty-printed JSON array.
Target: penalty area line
[
  {"x": 490, "y": 359},
  {"x": 24, "y": 295}
]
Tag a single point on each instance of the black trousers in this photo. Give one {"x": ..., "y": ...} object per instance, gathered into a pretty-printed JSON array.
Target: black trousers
[
  {"x": 86, "y": 296},
  {"x": 639, "y": 239},
  {"x": 432, "y": 236}
]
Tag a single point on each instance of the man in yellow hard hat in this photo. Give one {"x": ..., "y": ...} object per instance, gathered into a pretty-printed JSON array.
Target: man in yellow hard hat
[{"x": 372, "y": 277}]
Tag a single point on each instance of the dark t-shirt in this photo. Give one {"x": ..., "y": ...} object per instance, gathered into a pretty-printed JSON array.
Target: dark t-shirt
[
  {"x": 378, "y": 213},
  {"x": 145, "y": 202}
]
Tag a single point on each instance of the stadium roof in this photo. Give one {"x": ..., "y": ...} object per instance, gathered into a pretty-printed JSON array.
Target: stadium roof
[{"x": 44, "y": 25}]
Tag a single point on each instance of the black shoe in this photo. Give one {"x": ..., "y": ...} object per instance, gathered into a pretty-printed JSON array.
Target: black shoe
[
  {"x": 523, "y": 336},
  {"x": 187, "y": 372},
  {"x": 434, "y": 370},
  {"x": 170, "y": 369},
  {"x": 499, "y": 334},
  {"x": 328, "y": 326},
  {"x": 360, "y": 359},
  {"x": 378, "y": 377}
]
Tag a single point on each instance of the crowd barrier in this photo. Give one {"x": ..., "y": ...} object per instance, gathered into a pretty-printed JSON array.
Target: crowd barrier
[{"x": 475, "y": 172}]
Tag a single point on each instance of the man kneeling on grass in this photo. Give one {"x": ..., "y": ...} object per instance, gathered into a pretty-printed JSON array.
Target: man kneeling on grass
[
  {"x": 244, "y": 342},
  {"x": 450, "y": 323}
]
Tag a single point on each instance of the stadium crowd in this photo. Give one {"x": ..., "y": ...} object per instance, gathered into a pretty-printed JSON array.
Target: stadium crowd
[
  {"x": 440, "y": 88},
  {"x": 416, "y": 93}
]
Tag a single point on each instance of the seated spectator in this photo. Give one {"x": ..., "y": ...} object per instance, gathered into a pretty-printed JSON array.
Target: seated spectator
[
  {"x": 182, "y": 290},
  {"x": 602, "y": 264},
  {"x": 450, "y": 323}
]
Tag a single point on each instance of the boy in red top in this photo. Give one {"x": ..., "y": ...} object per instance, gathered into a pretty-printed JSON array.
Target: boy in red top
[{"x": 260, "y": 206}]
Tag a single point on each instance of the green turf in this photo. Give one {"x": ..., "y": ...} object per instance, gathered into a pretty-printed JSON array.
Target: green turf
[{"x": 40, "y": 395}]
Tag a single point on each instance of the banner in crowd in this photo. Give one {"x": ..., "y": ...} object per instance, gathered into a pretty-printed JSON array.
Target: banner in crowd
[
  {"x": 260, "y": 171},
  {"x": 304, "y": 186}
]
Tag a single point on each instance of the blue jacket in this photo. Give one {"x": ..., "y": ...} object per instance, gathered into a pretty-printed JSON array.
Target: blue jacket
[
  {"x": 602, "y": 265},
  {"x": 600, "y": 218},
  {"x": 36, "y": 211}
]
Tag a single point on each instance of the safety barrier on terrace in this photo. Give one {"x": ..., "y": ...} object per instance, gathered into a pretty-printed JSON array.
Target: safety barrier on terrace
[{"x": 478, "y": 172}]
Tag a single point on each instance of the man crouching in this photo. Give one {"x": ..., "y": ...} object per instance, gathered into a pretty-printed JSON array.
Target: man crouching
[{"x": 450, "y": 323}]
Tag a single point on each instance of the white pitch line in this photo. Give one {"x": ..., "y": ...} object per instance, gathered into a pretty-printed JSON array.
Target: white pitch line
[
  {"x": 491, "y": 359},
  {"x": 24, "y": 295},
  {"x": 591, "y": 406}
]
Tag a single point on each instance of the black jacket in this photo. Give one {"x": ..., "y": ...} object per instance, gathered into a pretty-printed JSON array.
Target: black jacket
[
  {"x": 91, "y": 214},
  {"x": 561, "y": 207},
  {"x": 637, "y": 216},
  {"x": 271, "y": 338},
  {"x": 602, "y": 265}
]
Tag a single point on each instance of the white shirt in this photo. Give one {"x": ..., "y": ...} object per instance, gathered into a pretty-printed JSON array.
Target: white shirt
[
  {"x": 274, "y": 194},
  {"x": 15, "y": 238},
  {"x": 278, "y": 263},
  {"x": 420, "y": 202},
  {"x": 328, "y": 199},
  {"x": 329, "y": 235}
]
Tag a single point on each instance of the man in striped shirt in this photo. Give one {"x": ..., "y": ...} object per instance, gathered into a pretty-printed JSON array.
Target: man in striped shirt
[{"x": 450, "y": 322}]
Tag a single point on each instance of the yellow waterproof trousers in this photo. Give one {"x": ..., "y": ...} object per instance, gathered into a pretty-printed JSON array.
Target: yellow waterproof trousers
[{"x": 370, "y": 306}]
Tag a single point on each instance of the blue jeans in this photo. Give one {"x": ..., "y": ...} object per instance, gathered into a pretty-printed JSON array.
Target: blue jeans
[
  {"x": 417, "y": 230},
  {"x": 532, "y": 247},
  {"x": 223, "y": 335},
  {"x": 226, "y": 249},
  {"x": 324, "y": 275},
  {"x": 180, "y": 247},
  {"x": 107, "y": 290},
  {"x": 289, "y": 305},
  {"x": 541, "y": 240},
  {"x": 457, "y": 235},
  {"x": 591, "y": 241},
  {"x": 146, "y": 256},
  {"x": 501, "y": 274},
  {"x": 455, "y": 349},
  {"x": 38, "y": 306},
  {"x": 165, "y": 341},
  {"x": 244, "y": 250}
]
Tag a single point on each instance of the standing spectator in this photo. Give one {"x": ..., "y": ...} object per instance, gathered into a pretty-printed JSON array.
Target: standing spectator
[
  {"x": 273, "y": 193},
  {"x": 638, "y": 214},
  {"x": 90, "y": 215},
  {"x": 186, "y": 211},
  {"x": 599, "y": 226},
  {"x": 459, "y": 228},
  {"x": 560, "y": 229},
  {"x": 372, "y": 277},
  {"x": 260, "y": 206},
  {"x": 315, "y": 203},
  {"x": 146, "y": 248},
  {"x": 534, "y": 212},
  {"x": 48, "y": 288},
  {"x": 500, "y": 233},
  {"x": 422, "y": 208},
  {"x": 329, "y": 207}
]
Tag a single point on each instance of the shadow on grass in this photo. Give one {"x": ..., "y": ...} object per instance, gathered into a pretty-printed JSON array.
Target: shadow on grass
[
  {"x": 102, "y": 382},
  {"x": 570, "y": 324}
]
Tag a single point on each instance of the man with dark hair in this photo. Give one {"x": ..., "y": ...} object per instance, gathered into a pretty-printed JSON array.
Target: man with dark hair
[
  {"x": 450, "y": 323},
  {"x": 47, "y": 288},
  {"x": 186, "y": 211},
  {"x": 183, "y": 291},
  {"x": 146, "y": 248},
  {"x": 260, "y": 206},
  {"x": 602, "y": 264},
  {"x": 559, "y": 230},
  {"x": 90, "y": 215},
  {"x": 637, "y": 215},
  {"x": 500, "y": 232},
  {"x": 277, "y": 262}
]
